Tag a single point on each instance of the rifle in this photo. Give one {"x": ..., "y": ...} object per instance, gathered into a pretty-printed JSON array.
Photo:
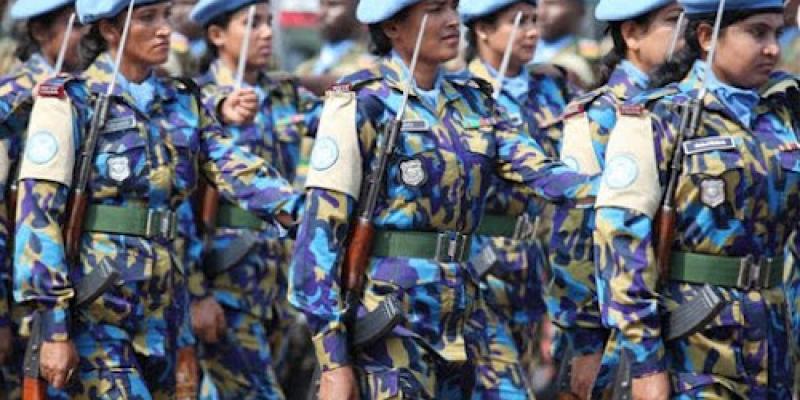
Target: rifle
[
  {"x": 13, "y": 188},
  {"x": 33, "y": 387},
  {"x": 667, "y": 215},
  {"x": 362, "y": 235},
  {"x": 623, "y": 381},
  {"x": 501, "y": 74}
]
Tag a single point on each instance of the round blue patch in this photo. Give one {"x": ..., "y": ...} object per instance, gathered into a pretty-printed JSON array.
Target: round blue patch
[
  {"x": 325, "y": 154},
  {"x": 621, "y": 172},
  {"x": 42, "y": 147}
]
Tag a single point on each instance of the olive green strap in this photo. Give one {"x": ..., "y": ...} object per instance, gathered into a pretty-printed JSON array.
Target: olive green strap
[
  {"x": 445, "y": 247},
  {"x": 131, "y": 221},
  {"x": 231, "y": 216},
  {"x": 736, "y": 272},
  {"x": 497, "y": 226}
]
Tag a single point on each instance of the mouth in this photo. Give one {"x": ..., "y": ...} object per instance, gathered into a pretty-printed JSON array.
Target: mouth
[{"x": 451, "y": 37}]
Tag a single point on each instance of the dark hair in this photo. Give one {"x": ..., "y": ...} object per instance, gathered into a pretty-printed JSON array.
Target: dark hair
[
  {"x": 380, "y": 44},
  {"x": 683, "y": 60},
  {"x": 472, "y": 35},
  {"x": 211, "y": 54},
  {"x": 619, "y": 51},
  {"x": 93, "y": 44},
  {"x": 26, "y": 43}
]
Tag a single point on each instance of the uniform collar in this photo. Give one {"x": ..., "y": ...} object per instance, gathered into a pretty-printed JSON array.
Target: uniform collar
[
  {"x": 98, "y": 77},
  {"x": 627, "y": 81},
  {"x": 39, "y": 68},
  {"x": 480, "y": 69},
  {"x": 395, "y": 74}
]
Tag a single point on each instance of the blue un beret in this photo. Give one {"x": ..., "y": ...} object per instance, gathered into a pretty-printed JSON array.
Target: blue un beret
[
  {"x": 476, "y": 9},
  {"x": 91, "y": 11},
  {"x": 376, "y": 11},
  {"x": 623, "y": 10},
  {"x": 206, "y": 10},
  {"x": 27, "y": 9},
  {"x": 707, "y": 6}
]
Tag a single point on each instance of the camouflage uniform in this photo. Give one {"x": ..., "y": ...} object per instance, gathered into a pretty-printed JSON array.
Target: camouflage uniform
[
  {"x": 514, "y": 290},
  {"x": 8, "y": 57},
  {"x": 15, "y": 105},
  {"x": 148, "y": 158},
  {"x": 184, "y": 56},
  {"x": 572, "y": 296},
  {"x": 736, "y": 196},
  {"x": 579, "y": 56},
  {"x": 436, "y": 181},
  {"x": 250, "y": 290}
]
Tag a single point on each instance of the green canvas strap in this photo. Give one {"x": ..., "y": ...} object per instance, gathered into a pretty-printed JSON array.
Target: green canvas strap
[
  {"x": 742, "y": 273},
  {"x": 442, "y": 247},
  {"x": 497, "y": 226},
  {"x": 132, "y": 221},
  {"x": 231, "y": 216}
]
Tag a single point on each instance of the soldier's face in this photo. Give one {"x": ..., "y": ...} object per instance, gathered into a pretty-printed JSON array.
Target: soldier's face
[
  {"x": 229, "y": 39},
  {"x": 338, "y": 19},
  {"x": 748, "y": 50},
  {"x": 442, "y": 33},
  {"x": 495, "y": 36},
  {"x": 148, "y": 39},
  {"x": 649, "y": 43}
]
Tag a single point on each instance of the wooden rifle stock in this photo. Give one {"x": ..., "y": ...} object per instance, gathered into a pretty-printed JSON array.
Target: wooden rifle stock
[
  {"x": 357, "y": 255},
  {"x": 74, "y": 227},
  {"x": 208, "y": 196},
  {"x": 34, "y": 389},
  {"x": 186, "y": 375},
  {"x": 665, "y": 230}
]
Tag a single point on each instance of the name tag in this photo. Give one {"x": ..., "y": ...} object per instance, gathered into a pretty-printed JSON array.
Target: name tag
[
  {"x": 704, "y": 145},
  {"x": 415, "y": 125},
  {"x": 120, "y": 124}
]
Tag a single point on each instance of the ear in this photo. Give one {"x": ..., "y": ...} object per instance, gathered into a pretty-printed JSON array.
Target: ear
[
  {"x": 631, "y": 34},
  {"x": 216, "y": 35},
  {"x": 109, "y": 32},
  {"x": 391, "y": 29},
  {"x": 39, "y": 32},
  {"x": 483, "y": 30},
  {"x": 704, "y": 35}
]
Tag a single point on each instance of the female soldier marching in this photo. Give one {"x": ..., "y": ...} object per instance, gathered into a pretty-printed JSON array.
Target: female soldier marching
[
  {"x": 642, "y": 33},
  {"x": 149, "y": 153},
  {"x": 733, "y": 180},
  {"x": 534, "y": 100},
  {"x": 452, "y": 143},
  {"x": 250, "y": 285}
]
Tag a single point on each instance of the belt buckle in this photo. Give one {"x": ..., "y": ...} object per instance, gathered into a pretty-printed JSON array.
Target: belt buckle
[
  {"x": 754, "y": 273},
  {"x": 450, "y": 246},
  {"x": 161, "y": 224},
  {"x": 524, "y": 228}
]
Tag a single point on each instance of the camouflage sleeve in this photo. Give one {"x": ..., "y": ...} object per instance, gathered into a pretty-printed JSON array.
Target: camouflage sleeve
[
  {"x": 5, "y": 266},
  {"x": 522, "y": 160},
  {"x": 246, "y": 180},
  {"x": 41, "y": 274},
  {"x": 627, "y": 285},
  {"x": 314, "y": 274}
]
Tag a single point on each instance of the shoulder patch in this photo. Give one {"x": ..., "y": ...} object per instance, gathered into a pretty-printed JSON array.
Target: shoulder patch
[
  {"x": 579, "y": 105},
  {"x": 50, "y": 150},
  {"x": 336, "y": 162}
]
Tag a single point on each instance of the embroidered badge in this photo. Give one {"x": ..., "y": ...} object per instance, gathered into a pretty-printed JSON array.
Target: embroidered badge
[
  {"x": 704, "y": 145},
  {"x": 621, "y": 172},
  {"x": 412, "y": 172},
  {"x": 119, "y": 168},
  {"x": 712, "y": 192},
  {"x": 42, "y": 147},
  {"x": 325, "y": 154}
]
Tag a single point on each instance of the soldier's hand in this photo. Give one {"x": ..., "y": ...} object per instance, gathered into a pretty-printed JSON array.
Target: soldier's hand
[
  {"x": 239, "y": 107},
  {"x": 208, "y": 320},
  {"x": 651, "y": 387},
  {"x": 58, "y": 361},
  {"x": 338, "y": 384},
  {"x": 583, "y": 373}
]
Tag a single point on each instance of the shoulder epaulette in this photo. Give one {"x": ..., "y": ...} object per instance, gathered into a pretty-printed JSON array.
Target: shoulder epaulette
[
  {"x": 186, "y": 85},
  {"x": 648, "y": 97},
  {"x": 580, "y": 104},
  {"x": 362, "y": 78},
  {"x": 633, "y": 110},
  {"x": 54, "y": 87},
  {"x": 780, "y": 82},
  {"x": 474, "y": 82}
]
